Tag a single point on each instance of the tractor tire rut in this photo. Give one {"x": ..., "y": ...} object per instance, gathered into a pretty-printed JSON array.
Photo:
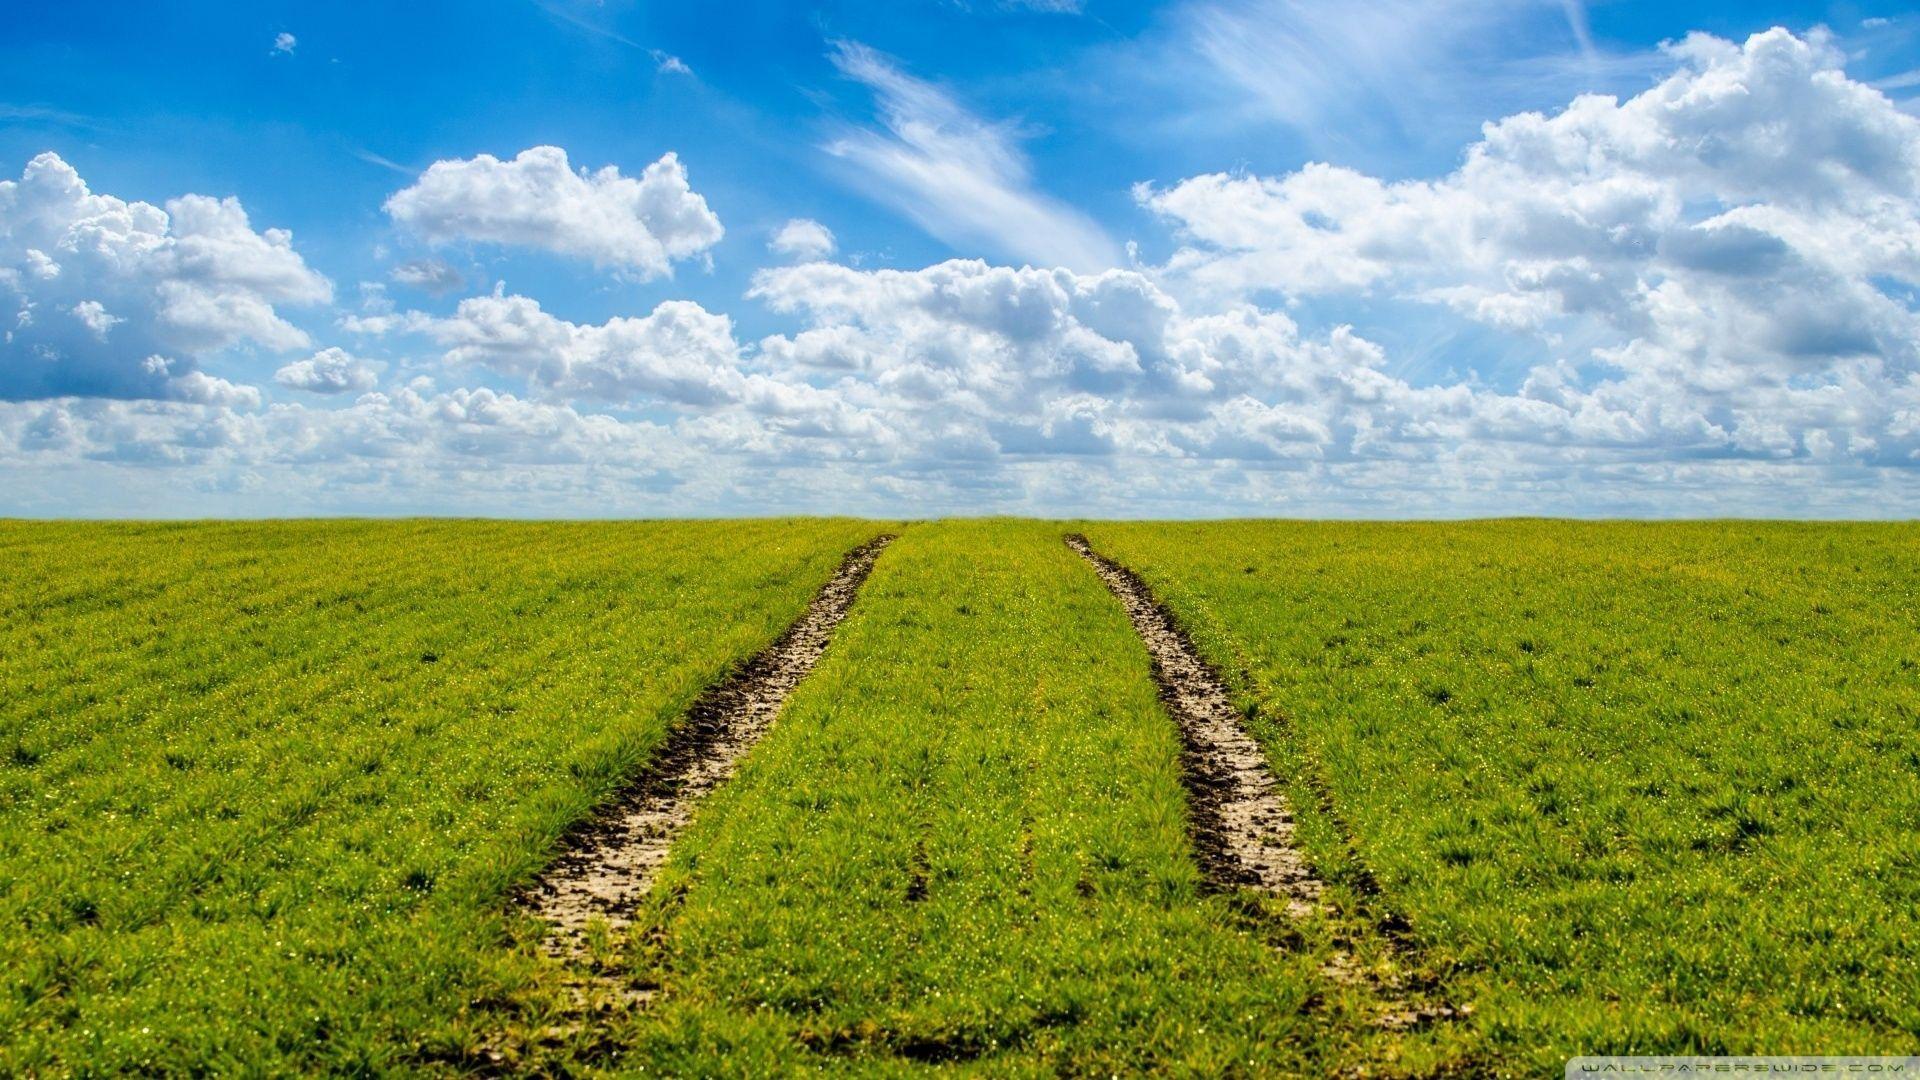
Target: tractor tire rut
[
  {"x": 1242, "y": 829},
  {"x": 610, "y": 864}
]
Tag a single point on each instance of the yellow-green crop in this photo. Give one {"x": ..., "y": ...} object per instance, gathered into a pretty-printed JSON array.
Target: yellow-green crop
[
  {"x": 965, "y": 843},
  {"x": 1640, "y": 787},
  {"x": 266, "y": 791},
  {"x": 264, "y": 787}
]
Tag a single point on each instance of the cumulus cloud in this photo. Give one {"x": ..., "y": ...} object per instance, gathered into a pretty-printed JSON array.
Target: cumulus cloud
[
  {"x": 95, "y": 317},
  {"x": 329, "y": 371},
  {"x": 969, "y": 360},
  {"x": 678, "y": 357},
  {"x": 284, "y": 43},
  {"x": 639, "y": 225},
  {"x": 965, "y": 385},
  {"x": 123, "y": 299},
  {"x": 802, "y": 238},
  {"x": 410, "y": 444},
  {"x": 960, "y": 177},
  {"x": 201, "y": 388},
  {"x": 1719, "y": 248},
  {"x": 679, "y": 353},
  {"x": 1713, "y": 286}
]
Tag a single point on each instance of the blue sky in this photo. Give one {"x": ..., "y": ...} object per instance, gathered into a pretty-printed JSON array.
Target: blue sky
[{"x": 1212, "y": 317}]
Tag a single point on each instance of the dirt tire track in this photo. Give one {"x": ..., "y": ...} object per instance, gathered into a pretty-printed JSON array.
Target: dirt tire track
[
  {"x": 1242, "y": 829},
  {"x": 610, "y": 863}
]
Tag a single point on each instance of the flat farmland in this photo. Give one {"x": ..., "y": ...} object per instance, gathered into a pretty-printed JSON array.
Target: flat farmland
[
  {"x": 965, "y": 846},
  {"x": 1633, "y": 787},
  {"x": 773, "y": 797},
  {"x": 264, "y": 787}
]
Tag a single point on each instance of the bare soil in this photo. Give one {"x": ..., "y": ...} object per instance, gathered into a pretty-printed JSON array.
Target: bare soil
[{"x": 610, "y": 864}]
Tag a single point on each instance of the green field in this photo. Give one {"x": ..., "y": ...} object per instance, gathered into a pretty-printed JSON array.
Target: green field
[
  {"x": 966, "y": 842},
  {"x": 266, "y": 791},
  {"x": 1646, "y": 787},
  {"x": 263, "y": 787}
]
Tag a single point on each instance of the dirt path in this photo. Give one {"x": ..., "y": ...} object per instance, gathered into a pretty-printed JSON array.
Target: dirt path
[
  {"x": 611, "y": 864},
  {"x": 1242, "y": 829}
]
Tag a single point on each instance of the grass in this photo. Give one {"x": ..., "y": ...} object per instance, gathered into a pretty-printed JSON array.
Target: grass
[
  {"x": 965, "y": 843},
  {"x": 263, "y": 787},
  {"x": 1636, "y": 787},
  {"x": 265, "y": 791}
]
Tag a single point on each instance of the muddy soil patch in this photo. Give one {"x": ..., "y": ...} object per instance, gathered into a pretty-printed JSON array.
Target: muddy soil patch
[{"x": 610, "y": 863}]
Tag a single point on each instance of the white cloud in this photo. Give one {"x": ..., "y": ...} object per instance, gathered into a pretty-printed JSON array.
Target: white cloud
[
  {"x": 95, "y": 317},
  {"x": 1321, "y": 62},
  {"x": 1052, "y": 7},
  {"x": 639, "y": 225},
  {"x": 802, "y": 238},
  {"x": 473, "y": 439},
  {"x": 959, "y": 177},
  {"x": 433, "y": 276},
  {"x": 284, "y": 43},
  {"x": 329, "y": 371},
  {"x": 1711, "y": 286},
  {"x": 201, "y": 388},
  {"x": 1577, "y": 22},
  {"x": 679, "y": 357},
  {"x": 1368, "y": 81},
  {"x": 971, "y": 386},
  {"x": 1904, "y": 81},
  {"x": 679, "y": 353},
  {"x": 1718, "y": 247},
  {"x": 99, "y": 287},
  {"x": 964, "y": 359},
  {"x": 669, "y": 64}
]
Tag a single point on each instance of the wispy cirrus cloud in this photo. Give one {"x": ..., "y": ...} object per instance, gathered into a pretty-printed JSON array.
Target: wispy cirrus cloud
[
  {"x": 43, "y": 114},
  {"x": 562, "y": 10},
  {"x": 1394, "y": 72},
  {"x": 1046, "y": 7},
  {"x": 1903, "y": 81},
  {"x": 960, "y": 177},
  {"x": 1577, "y": 22}
]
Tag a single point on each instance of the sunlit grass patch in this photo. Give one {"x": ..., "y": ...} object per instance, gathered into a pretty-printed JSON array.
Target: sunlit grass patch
[
  {"x": 264, "y": 787},
  {"x": 1637, "y": 787},
  {"x": 965, "y": 844}
]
